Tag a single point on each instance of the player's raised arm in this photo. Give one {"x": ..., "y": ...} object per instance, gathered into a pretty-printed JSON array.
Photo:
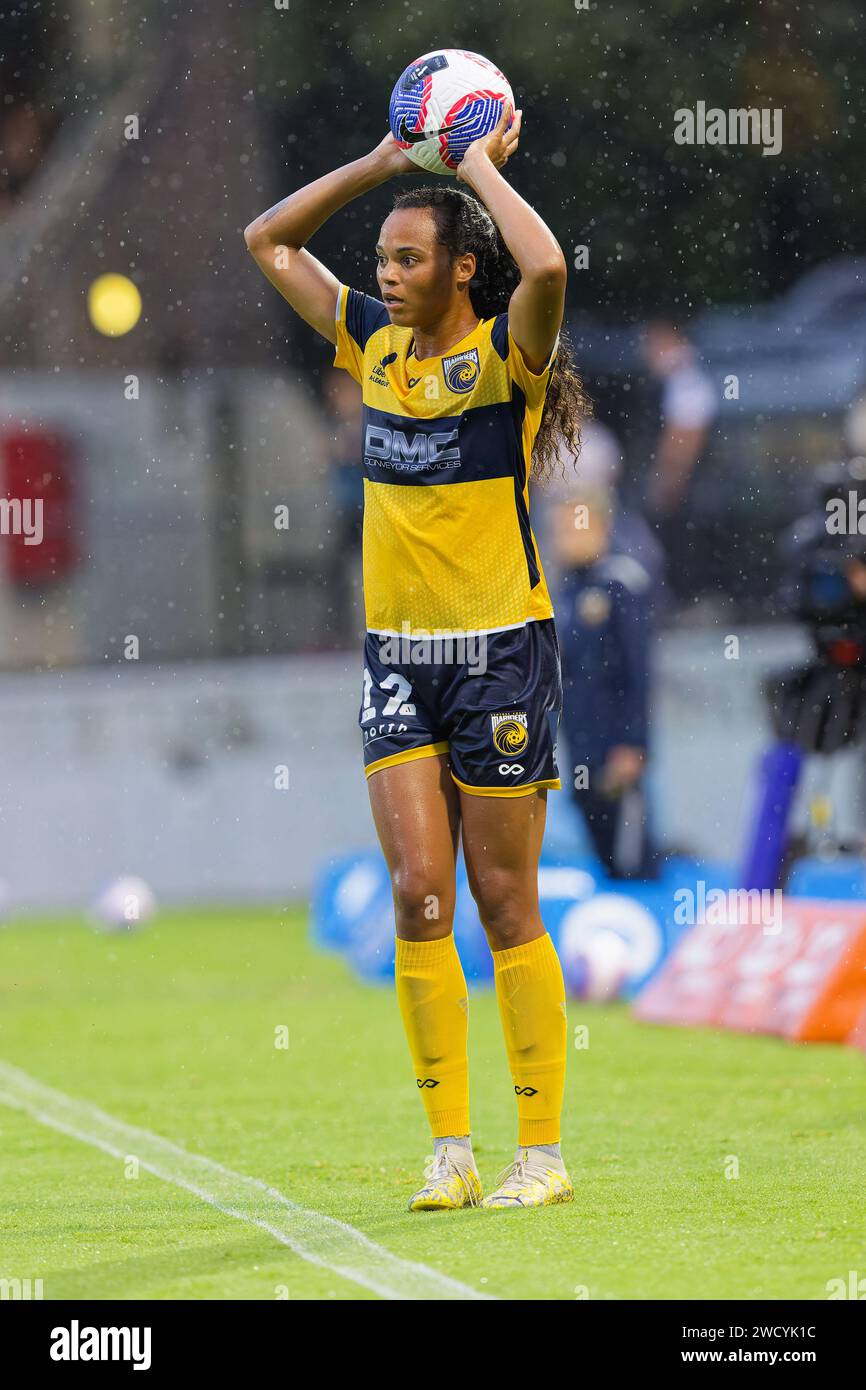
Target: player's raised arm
[
  {"x": 536, "y": 307},
  {"x": 277, "y": 238}
]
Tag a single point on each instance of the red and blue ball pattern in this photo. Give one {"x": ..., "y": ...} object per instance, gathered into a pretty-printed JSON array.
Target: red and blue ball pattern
[{"x": 442, "y": 103}]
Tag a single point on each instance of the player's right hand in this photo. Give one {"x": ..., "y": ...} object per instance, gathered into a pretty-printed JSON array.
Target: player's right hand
[{"x": 388, "y": 152}]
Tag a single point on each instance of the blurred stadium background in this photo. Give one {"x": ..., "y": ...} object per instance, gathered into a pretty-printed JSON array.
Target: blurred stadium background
[{"x": 168, "y": 647}]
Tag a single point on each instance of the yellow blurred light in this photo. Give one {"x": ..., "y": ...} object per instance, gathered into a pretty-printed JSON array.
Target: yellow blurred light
[
  {"x": 821, "y": 811},
  {"x": 114, "y": 305}
]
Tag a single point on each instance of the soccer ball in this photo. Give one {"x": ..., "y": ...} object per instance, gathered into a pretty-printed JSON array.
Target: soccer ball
[
  {"x": 604, "y": 942},
  {"x": 442, "y": 103},
  {"x": 597, "y": 968},
  {"x": 124, "y": 905}
]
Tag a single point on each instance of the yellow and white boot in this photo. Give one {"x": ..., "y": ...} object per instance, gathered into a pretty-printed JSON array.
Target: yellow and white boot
[
  {"x": 534, "y": 1179},
  {"x": 451, "y": 1181}
]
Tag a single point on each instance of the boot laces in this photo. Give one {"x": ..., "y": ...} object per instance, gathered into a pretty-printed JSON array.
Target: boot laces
[
  {"x": 516, "y": 1172},
  {"x": 441, "y": 1166}
]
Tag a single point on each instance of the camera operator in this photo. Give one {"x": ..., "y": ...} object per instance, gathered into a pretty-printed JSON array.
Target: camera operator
[{"x": 820, "y": 706}]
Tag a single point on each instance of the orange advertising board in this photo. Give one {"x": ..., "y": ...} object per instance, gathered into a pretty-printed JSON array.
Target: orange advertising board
[{"x": 801, "y": 975}]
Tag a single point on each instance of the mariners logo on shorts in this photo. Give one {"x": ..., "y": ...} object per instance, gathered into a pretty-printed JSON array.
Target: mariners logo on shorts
[
  {"x": 461, "y": 370},
  {"x": 509, "y": 732}
]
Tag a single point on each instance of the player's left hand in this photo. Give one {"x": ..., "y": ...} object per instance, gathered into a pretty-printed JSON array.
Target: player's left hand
[{"x": 497, "y": 145}]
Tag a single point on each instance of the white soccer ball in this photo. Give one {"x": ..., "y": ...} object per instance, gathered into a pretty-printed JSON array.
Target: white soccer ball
[
  {"x": 124, "y": 905},
  {"x": 608, "y": 913},
  {"x": 598, "y": 967},
  {"x": 606, "y": 941},
  {"x": 444, "y": 101}
]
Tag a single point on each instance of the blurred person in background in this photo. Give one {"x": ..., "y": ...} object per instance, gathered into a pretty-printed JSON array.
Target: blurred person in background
[
  {"x": 600, "y": 468},
  {"x": 344, "y": 410},
  {"x": 605, "y": 601},
  {"x": 21, "y": 149},
  {"x": 688, "y": 407}
]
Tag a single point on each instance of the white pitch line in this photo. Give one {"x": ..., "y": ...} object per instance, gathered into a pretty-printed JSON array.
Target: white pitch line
[{"x": 314, "y": 1237}]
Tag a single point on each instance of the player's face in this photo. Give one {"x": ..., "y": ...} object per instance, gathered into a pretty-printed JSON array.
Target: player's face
[{"x": 417, "y": 281}]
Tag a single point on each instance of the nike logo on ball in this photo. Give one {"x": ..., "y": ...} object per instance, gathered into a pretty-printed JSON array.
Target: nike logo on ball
[{"x": 414, "y": 137}]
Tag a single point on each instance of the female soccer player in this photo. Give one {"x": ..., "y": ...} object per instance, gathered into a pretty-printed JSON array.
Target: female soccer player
[{"x": 467, "y": 387}]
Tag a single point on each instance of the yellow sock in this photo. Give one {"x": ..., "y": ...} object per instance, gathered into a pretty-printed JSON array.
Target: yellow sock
[
  {"x": 434, "y": 1002},
  {"x": 531, "y": 994}
]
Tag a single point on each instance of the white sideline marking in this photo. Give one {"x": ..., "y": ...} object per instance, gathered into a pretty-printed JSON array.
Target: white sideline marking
[{"x": 320, "y": 1239}]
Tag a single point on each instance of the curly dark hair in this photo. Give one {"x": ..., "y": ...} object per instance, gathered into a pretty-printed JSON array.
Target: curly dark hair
[{"x": 464, "y": 224}]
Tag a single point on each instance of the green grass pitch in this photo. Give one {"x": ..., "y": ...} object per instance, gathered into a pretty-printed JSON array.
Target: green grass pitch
[{"x": 173, "y": 1029}]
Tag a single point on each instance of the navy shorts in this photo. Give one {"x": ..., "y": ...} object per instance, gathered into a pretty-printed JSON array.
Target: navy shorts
[{"x": 492, "y": 702}]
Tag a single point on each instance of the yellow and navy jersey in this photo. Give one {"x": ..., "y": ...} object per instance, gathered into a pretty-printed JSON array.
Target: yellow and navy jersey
[{"x": 447, "y": 449}]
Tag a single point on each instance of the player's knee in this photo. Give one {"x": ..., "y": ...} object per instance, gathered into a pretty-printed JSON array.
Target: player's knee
[
  {"x": 422, "y": 905},
  {"x": 501, "y": 899}
]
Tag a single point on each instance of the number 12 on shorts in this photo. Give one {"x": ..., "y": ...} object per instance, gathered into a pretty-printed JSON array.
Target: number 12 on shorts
[{"x": 398, "y": 703}]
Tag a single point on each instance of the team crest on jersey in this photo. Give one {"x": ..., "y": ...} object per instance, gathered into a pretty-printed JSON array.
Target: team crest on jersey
[
  {"x": 461, "y": 370},
  {"x": 509, "y": 732}
]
